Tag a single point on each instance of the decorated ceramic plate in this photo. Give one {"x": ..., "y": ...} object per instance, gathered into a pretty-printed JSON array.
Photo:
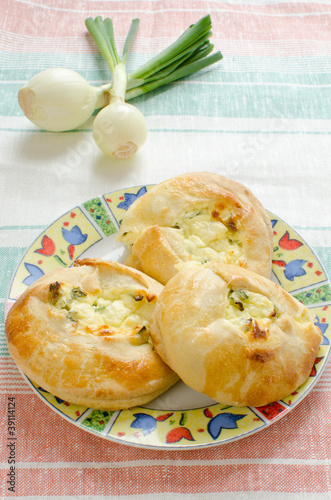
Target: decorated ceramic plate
[{"x": 180, "y": 418}]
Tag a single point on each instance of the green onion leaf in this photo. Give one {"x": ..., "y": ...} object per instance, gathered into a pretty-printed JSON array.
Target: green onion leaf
[
  {"x": 191, "y": 52},
  {"x": 101, "y": 42},
  {"x": 181, "y": 72},
  {"x": 129, "y": 39},
  {"x": 198, "y": 31}
]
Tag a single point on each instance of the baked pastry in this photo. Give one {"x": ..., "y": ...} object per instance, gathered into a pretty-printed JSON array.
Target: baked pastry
[
  {"x": 200, "y": 217},
  {"x": 234, "y": 335},
  {"x": 82, "y": 333}
]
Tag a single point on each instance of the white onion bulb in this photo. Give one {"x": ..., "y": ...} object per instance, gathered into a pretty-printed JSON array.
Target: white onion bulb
[
  {"x": 120, "y": 130},
  {"x": 58, "y": 99}
]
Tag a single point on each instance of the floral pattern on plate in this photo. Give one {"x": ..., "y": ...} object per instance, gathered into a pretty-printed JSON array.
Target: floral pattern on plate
[
  {"x": 294, "y": 263},
  {"x": 198, "y": 427},
  {"x": 58, "y": 246}
]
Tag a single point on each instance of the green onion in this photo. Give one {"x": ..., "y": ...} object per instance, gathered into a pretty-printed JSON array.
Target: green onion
[
  {"x": 195, "y": 36},
  {"x": 76, "y": 293},
  {"x": 187, "y": 55},
  {"x": 59, "y": 99},
  {"x": 120, "y": 129}
]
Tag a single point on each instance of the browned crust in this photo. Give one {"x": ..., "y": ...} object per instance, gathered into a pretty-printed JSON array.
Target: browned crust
[
  {"x": 99, "y": 371},
  {"x": 159, "y": 252},
  {"x": 147, "y": 226},
  {"x": 215, "y": 357}
]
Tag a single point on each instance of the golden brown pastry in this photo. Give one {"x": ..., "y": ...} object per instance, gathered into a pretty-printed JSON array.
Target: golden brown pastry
[
  {"x": 200, "y": 217},
  {"x": 234, "y": 335},
  {"x": 83, "y": 334}
]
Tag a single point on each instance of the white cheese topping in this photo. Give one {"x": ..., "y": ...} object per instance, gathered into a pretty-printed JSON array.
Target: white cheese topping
[
  {"x": 208, "y": 239},
  {"x": 93, "y": 313},
  {"x": 244, "y": 304},
  {"x": 245, "y": 307}
]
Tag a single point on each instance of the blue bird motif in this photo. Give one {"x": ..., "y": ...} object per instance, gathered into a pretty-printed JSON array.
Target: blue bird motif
[
  {"x": 223, "y": 421},
  {"x": 292, "y": 269},
  {"x": 74, "y": 236},
  {"x": 129, "y": 198},
  {"x": 145, "y": 422},
  {"x": 35, "y": 273},
  {"x": 148, "y": 423}
]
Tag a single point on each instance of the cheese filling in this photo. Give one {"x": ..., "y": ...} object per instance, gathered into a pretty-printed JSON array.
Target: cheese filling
[
  {"x": 208, "y": 239},
  {"x": 250, "y": 311},
  {"x": 113, "y": 312}
]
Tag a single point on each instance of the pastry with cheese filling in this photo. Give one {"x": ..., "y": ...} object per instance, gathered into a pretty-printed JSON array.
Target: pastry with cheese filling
[
  {"x": 197, "y": 217},
  {"x": 234, "y": 335},
  {"x": 83, "y": 334}
]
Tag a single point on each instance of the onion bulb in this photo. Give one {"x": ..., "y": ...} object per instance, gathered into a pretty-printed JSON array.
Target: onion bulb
[
  {"x": 59, "y": 99},
  {"x": 119, "y": 130}
]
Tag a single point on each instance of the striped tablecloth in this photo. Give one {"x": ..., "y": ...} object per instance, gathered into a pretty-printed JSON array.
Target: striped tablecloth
[{"x": 260, "y": 116}]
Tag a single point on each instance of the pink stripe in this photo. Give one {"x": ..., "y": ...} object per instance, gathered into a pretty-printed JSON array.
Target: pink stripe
[
  {"x": 171, "y": 479},
  {"x": 231, "y": 22},
  {"x": 46, "y": 436},
  {"x": 96, "y": 8},
  {"x": 79, "y": 45},
  {"x": 7, "y": 363}
]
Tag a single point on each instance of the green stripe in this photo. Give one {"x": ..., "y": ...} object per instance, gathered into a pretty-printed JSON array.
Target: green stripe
[
  {"x": 193, "y": 130},
  {"x": 15, "y": 228},
  {"x": 317, "y": 228},
  {"x": 9, "y": 259},
  {"x": 263, "y": 87},
  {"x": 2, "y": 316},
  {"x": 221, "y": 75},
  {"x": 217, "y": 74},
  {"x": 239, "y": 102},
  {"x": 226, "y": 101},
  {"x": 216, "y": 131}
]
